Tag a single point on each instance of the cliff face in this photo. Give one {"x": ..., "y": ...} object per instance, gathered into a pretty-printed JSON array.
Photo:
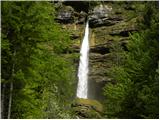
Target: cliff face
[{"x": 110, "y": 23}]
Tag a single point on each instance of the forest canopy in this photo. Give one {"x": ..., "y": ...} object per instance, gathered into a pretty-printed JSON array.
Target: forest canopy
[
  {"x": 35, "y": 76},
  {"x": 135, "y": 94}
]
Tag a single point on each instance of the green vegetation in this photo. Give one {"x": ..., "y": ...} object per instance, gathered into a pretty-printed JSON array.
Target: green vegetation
[
  {"x": 37, "y": 80},
  {"x": 135, "y": 93}
]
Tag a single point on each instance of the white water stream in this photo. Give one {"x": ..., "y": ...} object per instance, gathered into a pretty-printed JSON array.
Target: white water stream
[{"x": 82, "y": 88}]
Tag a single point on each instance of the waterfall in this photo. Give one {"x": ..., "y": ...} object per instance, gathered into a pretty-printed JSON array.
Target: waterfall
[{"x": 82, "y": 88}]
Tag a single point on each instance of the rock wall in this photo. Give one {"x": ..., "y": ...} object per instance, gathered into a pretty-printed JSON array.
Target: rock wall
[{"x": 109, "y": 22}]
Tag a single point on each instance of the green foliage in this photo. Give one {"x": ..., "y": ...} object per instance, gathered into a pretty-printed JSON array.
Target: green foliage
[
  {"x": 33, "y": 43},
  {"x": 117, "y": 53},
  {"x": 135, "y": 92}
]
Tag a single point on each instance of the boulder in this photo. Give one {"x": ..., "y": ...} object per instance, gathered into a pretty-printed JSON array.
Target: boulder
[
  {"x": 65, "y": 15},
  {"x": 69, "y": 15},
  {"x": 81, "y": 18},
  {"x": 100, "y": 16}
]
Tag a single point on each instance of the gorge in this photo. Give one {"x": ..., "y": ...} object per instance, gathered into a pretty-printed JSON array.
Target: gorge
[
  {"x": 107, "y": 26},
  {"x": 111, "y": 24},
  {"x": 80, "y": 59}
]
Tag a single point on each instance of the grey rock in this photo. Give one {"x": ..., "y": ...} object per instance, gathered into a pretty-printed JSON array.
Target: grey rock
[
  {"x": 123, "y": 32},
  {"x": 100, "y": 16},
  {"x": 65, "y": 17}
]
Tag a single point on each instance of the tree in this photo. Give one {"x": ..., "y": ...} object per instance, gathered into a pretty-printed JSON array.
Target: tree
[
  {"x": 135, "y": 95},
  {"x": 34, "y": 71}
]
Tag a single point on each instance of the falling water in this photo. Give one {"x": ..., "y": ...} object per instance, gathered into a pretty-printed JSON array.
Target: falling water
[{"x": 82, "y": 88}]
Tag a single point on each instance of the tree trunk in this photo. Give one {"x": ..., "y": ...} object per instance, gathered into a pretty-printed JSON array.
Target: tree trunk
[
  {"x": 11, "y": 87},
  {"x": 3, "y": 87},
  {"x": 10, "y": 100}
]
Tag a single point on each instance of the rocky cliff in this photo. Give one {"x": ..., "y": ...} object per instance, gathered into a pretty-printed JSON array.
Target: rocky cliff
[{"x": 110, "y": 23}]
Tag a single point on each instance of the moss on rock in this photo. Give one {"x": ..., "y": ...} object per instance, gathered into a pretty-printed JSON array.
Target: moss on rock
[{"x": 87, "y": 108}]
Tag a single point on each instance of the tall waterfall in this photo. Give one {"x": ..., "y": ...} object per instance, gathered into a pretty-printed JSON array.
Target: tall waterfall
[{"x": 82, "y": 88}]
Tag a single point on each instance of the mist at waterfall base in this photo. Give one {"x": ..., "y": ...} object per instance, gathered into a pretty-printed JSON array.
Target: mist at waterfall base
[{"x": 82, "y": 88}]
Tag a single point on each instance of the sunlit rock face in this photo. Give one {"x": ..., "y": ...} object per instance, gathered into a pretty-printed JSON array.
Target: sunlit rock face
[{"x": 100, "y": 16}]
